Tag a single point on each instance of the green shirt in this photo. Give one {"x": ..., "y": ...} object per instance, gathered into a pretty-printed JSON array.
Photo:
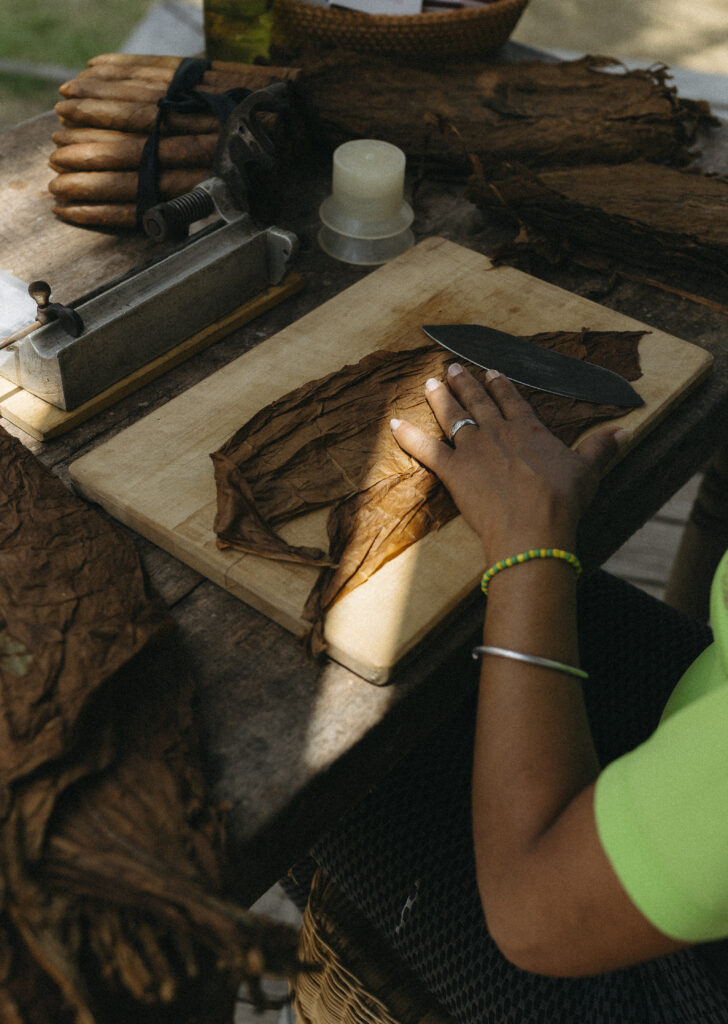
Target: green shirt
[{"x": 662, "y": 809}]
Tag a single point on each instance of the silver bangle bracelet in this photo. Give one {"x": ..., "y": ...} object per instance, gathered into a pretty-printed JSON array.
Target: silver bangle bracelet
[{"x": 531, "y": 659}]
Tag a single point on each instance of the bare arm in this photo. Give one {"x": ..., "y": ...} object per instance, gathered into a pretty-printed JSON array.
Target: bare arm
[{"x": 552, "y": 901}]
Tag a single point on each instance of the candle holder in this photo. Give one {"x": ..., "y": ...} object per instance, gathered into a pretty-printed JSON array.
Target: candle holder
[{"x": 366, "y": 220}]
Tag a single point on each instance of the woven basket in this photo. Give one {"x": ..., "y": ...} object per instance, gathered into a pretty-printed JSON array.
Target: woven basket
[
  {"x": 451, "y": 35},
  {"x": 361, "y": 980}
]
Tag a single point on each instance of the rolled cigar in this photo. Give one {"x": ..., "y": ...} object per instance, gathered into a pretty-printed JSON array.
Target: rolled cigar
[
  {"x": 98, "y": 215},
  {"x": 258, "y": 76},
  {"x": 132, "y": 117},
  {"x": 151, "y": 59},
  {"x": 154, "y": 61},
  {"x": 113, "y": 71},
  {"x": 131, "y": 91},
  {"x": 102, "y": 89},
  {"x": 254, "y": 78},
  {"x": 121, "y": 186},
  {"x": 70, "y": 136},
  {"x": 125, "y": 153}
]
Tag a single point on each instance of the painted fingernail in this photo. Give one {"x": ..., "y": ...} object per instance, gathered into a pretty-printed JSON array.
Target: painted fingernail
[
  {"x": 454, "y": 369},
  {"x": 394, "y": 424},
  {"x": 492, "y": 374},
  {"x": 431, "y": 384}
]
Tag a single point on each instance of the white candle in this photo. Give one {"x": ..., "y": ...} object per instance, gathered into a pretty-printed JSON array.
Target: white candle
[
  {"x": 369, "y": 177},
  {"x": 367, "y": 191},
  {"x": 366, "y": 219}
]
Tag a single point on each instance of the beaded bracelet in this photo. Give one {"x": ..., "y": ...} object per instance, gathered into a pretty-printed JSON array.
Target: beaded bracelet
[{"x": 526, "y": 556}]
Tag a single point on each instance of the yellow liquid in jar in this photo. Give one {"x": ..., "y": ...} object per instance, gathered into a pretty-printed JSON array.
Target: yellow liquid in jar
[{"x": 237, "y": 30}]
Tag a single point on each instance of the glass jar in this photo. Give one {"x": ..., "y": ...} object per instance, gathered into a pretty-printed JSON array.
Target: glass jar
[{"x": 237, "y": 30}]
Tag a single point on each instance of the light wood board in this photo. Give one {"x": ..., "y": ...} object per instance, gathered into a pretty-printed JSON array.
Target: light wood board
[
  {"x": 44, "y": 421},
  {"x": 156, "y": 476}
]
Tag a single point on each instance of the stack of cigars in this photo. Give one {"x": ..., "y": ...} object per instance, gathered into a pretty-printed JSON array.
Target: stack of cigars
[{"x": 106, "y": 115}]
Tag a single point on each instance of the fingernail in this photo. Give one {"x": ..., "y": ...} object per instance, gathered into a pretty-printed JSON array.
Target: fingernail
[
  {"x": 622, "y": 435},
  {"x": 431, "y": 384},
  {"x": 454, "y": 369},
  {"x": 394, "y": 424},
  {"x": 492, "y": 374}
]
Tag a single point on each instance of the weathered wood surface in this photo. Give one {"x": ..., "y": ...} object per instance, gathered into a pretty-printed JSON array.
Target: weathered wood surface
[
  {"x": 292, "y": 744},
  {"x": 34, "y": 243}
]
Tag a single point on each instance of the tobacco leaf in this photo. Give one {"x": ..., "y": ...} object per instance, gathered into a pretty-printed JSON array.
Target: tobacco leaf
[
  {"x": 636, "y": 217},
  {"x": 112, "y": 858},
  {"x": 73, "y": 611},
  {"x": 328, "y": 444},
  {"x": 531, "y": 113}
]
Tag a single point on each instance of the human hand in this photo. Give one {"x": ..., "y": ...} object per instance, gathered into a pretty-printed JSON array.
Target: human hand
[{"x": 515, "y": 483}]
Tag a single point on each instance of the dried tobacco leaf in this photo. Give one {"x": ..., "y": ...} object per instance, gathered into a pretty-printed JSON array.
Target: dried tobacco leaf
[
  {"x": 638, "y": 216},
  {"x": 328, "y": 444},
  {"x": 532, "y": 113},
  {"x": 112, "y": 904},
  {"x": 73, "y": 611}
]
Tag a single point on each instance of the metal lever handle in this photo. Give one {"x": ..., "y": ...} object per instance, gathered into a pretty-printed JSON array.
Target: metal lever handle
[{"x": 48, "y": 311}]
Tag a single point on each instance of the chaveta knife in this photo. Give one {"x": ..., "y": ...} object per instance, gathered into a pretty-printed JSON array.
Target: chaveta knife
[{"x": 527, "y": 363}]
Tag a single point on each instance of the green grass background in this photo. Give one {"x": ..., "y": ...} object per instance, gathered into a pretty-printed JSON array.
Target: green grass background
[{"x": 59, "y": 32}]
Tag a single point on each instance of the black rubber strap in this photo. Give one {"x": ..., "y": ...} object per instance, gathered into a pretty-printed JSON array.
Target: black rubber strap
[{"x": 182, "y": 97}]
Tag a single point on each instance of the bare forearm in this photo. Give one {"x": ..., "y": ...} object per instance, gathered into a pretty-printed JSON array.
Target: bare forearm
[
  {"x": 543, "y": 874},
  {"x": 533, "y": 750}
]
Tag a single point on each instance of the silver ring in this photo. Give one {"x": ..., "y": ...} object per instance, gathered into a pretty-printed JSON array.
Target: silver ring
[{"x": 460, "y": 423}]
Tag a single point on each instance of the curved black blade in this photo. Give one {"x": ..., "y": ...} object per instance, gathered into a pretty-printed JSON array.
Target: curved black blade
[{"x": 527, "y": 363}]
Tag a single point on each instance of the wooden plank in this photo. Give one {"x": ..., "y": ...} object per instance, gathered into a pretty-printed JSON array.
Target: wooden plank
[
  {"x": 678, "y": 508},
  {"x": 648, "y": 555},
  {"x": 40, "y": 246},
  {"x": 156, "y": 475},
  {"x": 646, "y": 559},
  {"x": 44, "y": 421},
  {"x": 7, "y": 390}
]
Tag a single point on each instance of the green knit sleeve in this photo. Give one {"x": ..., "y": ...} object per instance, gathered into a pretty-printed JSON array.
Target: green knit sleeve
[{"x": 662, "y": 809}]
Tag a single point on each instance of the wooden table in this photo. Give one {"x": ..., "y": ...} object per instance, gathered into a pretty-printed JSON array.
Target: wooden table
[{"x": 292, "y": 744}]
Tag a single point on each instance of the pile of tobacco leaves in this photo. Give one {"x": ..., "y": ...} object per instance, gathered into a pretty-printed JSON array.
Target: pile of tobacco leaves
[
  {"x": 586, "y": 159},
  {"x": 112, "y": 852}
]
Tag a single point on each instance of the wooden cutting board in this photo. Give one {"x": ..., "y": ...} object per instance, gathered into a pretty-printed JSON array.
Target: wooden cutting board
[{"x": 156, "y": 476}]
